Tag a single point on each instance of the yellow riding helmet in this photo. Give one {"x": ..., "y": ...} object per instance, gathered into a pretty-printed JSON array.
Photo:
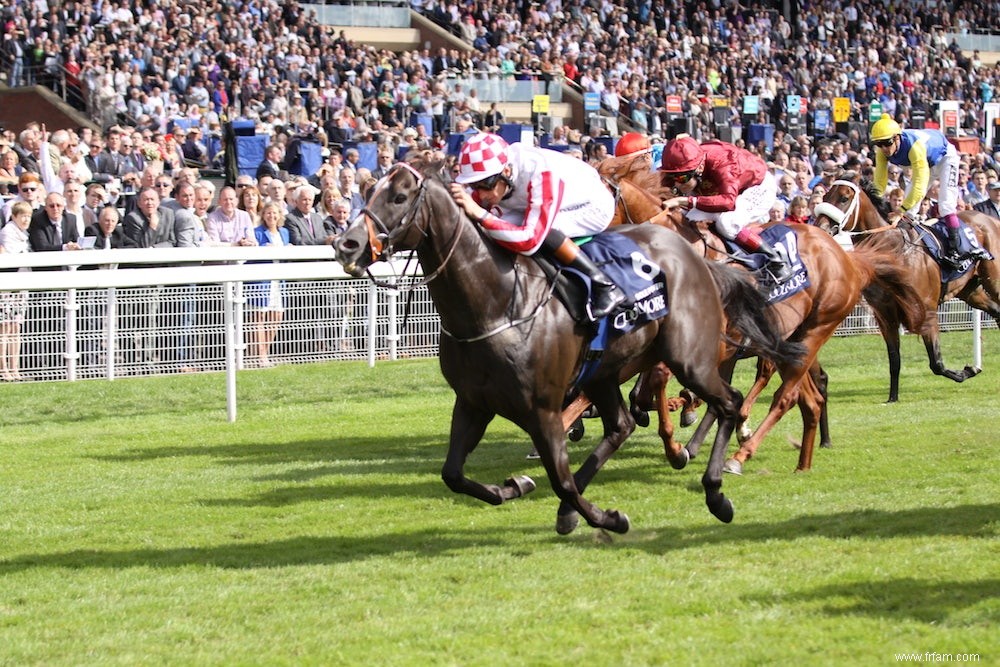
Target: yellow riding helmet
[{"x": 885, "y": 128}]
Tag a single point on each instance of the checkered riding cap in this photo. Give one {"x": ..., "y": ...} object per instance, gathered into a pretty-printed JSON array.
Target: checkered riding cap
[{"x": 482, "y": 156}]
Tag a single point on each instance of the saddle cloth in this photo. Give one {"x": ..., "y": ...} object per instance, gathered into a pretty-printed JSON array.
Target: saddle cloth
[
  {"x": 935, "y": 237},
  {"x": 783, "y": 239}
]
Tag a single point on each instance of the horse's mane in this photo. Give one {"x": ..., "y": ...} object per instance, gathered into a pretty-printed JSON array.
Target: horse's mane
[
  {"x": 430, "y": 165},
  {"x": 881, "y": 205}
]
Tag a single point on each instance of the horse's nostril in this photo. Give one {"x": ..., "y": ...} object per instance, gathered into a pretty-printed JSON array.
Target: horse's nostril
[{"x": 348, "y": 244}]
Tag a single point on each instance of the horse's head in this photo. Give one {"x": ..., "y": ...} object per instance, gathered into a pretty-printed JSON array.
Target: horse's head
[
  {"x": 392, "y": 220},
  {"x": 851, "y": 207}
]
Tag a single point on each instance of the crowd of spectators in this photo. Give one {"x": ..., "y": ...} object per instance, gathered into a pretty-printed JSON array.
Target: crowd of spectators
[{"x": 161, "y": 79}]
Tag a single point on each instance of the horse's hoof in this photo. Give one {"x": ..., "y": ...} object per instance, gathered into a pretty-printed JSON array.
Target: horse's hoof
[
  {"x": 688, "y": 418},
  {"x": 567, "y": 523},
  {"x": 972, "y": 371},
  {"x": 826, "y": 445},
  {"x": 733, "y": 467},
  {"x": 721, "y": 508},
  {"x": 522, "y": 483},
  {"x": 680, "y": 461},
  {"x": 743, "y": 433},
  {"x": 622, "y": 524},
  {"x": 576, "y": 430},
  {"x": 590, "y": 412},
  {"x": 641, "y": 417}
]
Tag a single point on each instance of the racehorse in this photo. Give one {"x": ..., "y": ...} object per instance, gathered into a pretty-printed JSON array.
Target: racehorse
[
  {"x": 509, "y": 348},
  {"x": 809, "y": 317},
  {"x": 859, "y": 211}
]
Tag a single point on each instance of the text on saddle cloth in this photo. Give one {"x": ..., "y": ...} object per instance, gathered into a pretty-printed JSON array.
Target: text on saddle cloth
[
  {"x": 639, "y": 277},
  {"x": 782, "y": 238}
]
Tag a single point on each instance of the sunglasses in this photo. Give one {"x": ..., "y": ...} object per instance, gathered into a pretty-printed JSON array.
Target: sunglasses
[
  {"x": 487, "y": 183},
  {"x": 883, "y": 143},
  {"x": 679, "y": 179},
  {"x": 28, "y": 189}
]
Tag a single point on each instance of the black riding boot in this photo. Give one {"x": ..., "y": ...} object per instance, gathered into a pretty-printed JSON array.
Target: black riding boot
[
  {"x": 605, "y": 296},
  {"x": 776, "y": 265},
  {"x": 954, "y": 257}
]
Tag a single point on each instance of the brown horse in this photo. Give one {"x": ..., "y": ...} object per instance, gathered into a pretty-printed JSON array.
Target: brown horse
[
  {"x": 509, "y": 348},
  {"x": 859, "y": 211},
  {"x": 809, "y": 317}
]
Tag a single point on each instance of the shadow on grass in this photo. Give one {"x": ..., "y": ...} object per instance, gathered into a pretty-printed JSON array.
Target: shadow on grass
[
  {"x": 925, "y": 601},
  {"x": 968, "y": 520}
]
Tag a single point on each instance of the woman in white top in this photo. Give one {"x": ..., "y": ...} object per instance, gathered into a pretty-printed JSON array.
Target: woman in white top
[{"x": 13, "y": 240}]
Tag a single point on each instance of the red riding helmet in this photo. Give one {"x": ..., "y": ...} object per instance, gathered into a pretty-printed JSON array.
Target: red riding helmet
[
  {"x": 632, "y": 144},
  {"x": 681, "y": 155}
]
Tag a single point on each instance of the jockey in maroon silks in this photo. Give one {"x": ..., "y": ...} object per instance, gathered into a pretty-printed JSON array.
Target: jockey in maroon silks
[{"x": 728, "y": 186}]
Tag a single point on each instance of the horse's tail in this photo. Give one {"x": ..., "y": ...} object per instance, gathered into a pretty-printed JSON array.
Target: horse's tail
[
  {"x": 748, "y": 312},
  {"x": 881, "y": 268}
]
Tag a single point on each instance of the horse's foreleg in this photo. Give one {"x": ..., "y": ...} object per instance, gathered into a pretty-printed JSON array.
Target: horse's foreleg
[
  {"x": 786, "y": 396},
  {"x": 890, "y": 334},
  {"x": 765, "y": 370},
  {"x": 468, "y": 424},
  {"x": 698, "y": 437},
  {"x": 618, "y": 425}
]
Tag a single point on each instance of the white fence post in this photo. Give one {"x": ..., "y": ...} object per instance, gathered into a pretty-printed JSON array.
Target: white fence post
[{"x": 229, "y": 323}]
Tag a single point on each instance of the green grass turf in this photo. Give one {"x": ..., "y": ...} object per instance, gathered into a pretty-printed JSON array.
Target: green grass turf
[{"x": 138, "y": 527}]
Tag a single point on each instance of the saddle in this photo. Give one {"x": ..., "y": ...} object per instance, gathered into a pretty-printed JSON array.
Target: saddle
[{"x": 934, "y": 236}]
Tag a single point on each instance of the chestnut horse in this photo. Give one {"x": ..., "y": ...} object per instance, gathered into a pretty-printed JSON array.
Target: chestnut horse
[
  {"x": 859, "y": 211},
  {"x": 508, "y": 348},
  {"x": 809, "y": 317}
]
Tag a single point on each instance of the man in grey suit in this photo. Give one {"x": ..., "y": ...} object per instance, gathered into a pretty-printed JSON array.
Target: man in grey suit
[
  {"x": 305, "y": 226},
  {"x": 150, "y": 225},
  {"x": 991, "y": 205}
]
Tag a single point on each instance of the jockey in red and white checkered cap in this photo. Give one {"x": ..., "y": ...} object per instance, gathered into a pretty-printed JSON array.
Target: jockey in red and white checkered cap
[{"x": 528, "y": 198}]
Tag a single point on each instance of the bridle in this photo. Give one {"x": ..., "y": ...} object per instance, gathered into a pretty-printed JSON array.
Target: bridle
[
  {"x": 852, "y": 214},
  {"x": 380, "y": 237}
]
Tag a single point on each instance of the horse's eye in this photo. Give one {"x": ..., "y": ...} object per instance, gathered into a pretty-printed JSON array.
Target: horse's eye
[{"x": 399, "y": 199}]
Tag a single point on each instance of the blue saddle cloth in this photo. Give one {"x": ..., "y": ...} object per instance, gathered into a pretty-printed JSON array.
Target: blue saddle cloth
[
  {"x": 783, "y": 239},
  {"x": 935, "y": 238},
  {"x": 639, "y": 277},
  {"x": 642, "y": 280}
]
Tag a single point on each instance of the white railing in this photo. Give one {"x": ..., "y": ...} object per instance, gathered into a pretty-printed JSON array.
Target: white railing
[{"x": 192, "y": 313}]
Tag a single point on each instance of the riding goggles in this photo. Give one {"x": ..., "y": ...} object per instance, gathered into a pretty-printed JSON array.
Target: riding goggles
[
  {"x": 487, "y": 183},
  {"x": 679, "y": 179},
  {"x": 884, "y": 143}
]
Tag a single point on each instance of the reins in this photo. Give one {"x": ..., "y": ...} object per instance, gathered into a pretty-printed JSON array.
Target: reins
[{"x": 380, "y": 239}]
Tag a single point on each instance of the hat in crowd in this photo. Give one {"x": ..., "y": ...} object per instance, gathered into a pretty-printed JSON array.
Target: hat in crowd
[
  {"x": 829, "y": 167},
  {"x": 995, "y": 185},
  {"x": 410, "y": 132}
]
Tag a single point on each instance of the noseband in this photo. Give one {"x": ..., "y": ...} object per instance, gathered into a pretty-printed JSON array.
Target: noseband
[{"x": 837, "y": 215}]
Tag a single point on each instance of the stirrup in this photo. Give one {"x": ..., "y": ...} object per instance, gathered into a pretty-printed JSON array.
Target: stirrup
[
  {"x": 780, "y": 271},
  {"x": 611, "y": 296}
]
